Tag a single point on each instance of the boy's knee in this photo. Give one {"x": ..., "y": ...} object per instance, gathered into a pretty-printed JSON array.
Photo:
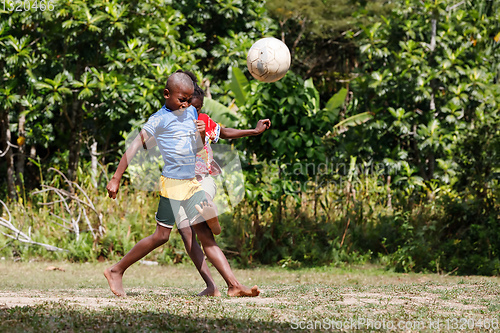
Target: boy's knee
[
  {"x": 204, "y": 233},
  {"x": 161, "y": 239},
  {"x": 162, "y": 234}
]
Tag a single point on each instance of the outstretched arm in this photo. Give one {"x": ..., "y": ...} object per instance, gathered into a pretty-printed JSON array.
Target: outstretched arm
[
  {"x": 142, "y": 140},
  {"x": 232, "y": 133}
]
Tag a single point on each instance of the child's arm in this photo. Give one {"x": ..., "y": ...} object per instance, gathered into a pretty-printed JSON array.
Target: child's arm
[
  {"x": 142, "y": 140},
  {"x": 232, "y": 133}
]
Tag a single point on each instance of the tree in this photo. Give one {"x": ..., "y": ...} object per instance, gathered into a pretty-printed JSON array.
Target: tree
[
  {"x": 425, "y": 78},
  {"x": 225, "y": 30},
  {"x": 7, "y": 100},
  {"x": 318, "y": 34},
  {"x": 279, "y": 159},
  {"x": 82, "y": 72}
]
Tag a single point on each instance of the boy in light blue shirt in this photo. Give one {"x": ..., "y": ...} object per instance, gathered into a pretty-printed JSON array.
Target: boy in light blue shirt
[
  {"x": 179, "y": 134},
  {"x": 176, "y": 136}
]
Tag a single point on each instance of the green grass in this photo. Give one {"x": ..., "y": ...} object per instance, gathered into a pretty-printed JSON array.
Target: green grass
[{"x": 161, "y": 298}]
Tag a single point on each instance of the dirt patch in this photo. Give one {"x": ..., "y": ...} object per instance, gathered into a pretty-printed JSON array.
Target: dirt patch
[
  {"x": 72, "y": 297},
  {"x": 255, "y": 300}
]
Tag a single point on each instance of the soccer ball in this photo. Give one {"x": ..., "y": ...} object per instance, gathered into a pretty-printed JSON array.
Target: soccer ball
[{"x": 268, "y": 59}]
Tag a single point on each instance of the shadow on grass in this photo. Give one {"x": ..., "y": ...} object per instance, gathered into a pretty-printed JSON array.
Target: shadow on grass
[
  {"x": 134, "y": 293},
  {"x": 56, "y": 317}
]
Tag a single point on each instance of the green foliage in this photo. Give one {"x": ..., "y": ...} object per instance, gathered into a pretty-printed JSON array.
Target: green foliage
[
  {"x": 293, "y": 142},
  {"x": 426, "y": 82},
  {"x": 219, "y": 111},
  {"x": 352, "y": 121},
  {"x": 238, "y": 25},
  {"x": 318, "y": 34},
  {"x": 435, "y": 103},
  {"x": 239, "y": 85},
  {"x": 324, "y": 18},
  {"x": 84, "y": 70},
  {"x": 126, "y": 220},
  {"x": 458, "y": 231},
  {"x": 292, "y": 105}
]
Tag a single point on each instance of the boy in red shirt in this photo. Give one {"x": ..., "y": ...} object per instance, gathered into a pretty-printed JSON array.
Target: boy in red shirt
[{"x": 204, "y": 169}]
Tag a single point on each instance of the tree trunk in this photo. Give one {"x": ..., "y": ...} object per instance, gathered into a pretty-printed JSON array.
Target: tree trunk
[
  {"x": 389, "y": 195},
  {"x": 280, "y": 196},
  {"x": 75, "y": 139},
  {"x": 9, "y": 154},
  {"x": 433, "y": 33},
  {"x": 316, "y": 197},
  {"x": 33, "y": 152},
  {"x": 93, "y": 164},
  {"x": 432, "y": 105},
  {"x": 21, "y": 156},
  {"x": 432, "y": 164},
  {"x": 257, "y": 230},
  {"x": 76, "y": 124},
  {"x": 105, "y": 148}
]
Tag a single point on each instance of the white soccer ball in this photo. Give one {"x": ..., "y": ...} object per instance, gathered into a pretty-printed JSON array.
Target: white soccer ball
[{"x": 268, "y": 59}]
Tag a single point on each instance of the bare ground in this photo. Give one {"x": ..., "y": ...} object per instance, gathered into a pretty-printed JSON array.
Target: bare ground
[
  {"x": 101, "y": 298},
  {"x": 286, "y": 295}
]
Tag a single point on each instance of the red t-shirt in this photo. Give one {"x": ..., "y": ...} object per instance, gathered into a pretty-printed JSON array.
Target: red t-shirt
[{"x": 205, "y": 157}]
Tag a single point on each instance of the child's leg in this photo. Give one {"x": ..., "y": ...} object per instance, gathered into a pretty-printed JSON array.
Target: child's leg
[
  {"x": 210, "y": 213},
  {"x": 217, "y": 258},
  {"x": 211, "y": 248},
  {"x": 198, "y": 257},
  {"x": 114, "y": 274}
]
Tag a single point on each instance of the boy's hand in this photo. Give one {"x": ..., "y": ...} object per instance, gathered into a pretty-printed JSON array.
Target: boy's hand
[
  {"x": 113, "y": 186},
  {"x": 262, "y": 125},
  {"x": 200, "y": 126}
]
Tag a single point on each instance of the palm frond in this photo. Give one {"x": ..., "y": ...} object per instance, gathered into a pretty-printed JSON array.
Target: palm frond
[{"x": 352, "y": 121}]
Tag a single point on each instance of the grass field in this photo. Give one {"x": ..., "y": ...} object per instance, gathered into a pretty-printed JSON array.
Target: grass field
[{"x": 161, "y": 298}]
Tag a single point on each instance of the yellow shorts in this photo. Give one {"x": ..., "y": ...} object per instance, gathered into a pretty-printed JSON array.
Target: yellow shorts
[
  {"x": 177, "y": 193},
  {"x": 179, "y": 189}
]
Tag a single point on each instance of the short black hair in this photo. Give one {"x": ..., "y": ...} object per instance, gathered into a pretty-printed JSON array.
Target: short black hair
[
  {"x": 180, "y": 77},
  {"x": 190, "y": 74},
  {"x": 198, "y": 92}
]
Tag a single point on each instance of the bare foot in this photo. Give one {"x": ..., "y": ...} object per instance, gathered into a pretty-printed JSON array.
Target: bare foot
[
  {"x": 210, "y": 215},
  {"x": 115, "y": 282},
  {"x": 243, "y": 291},
  {"x": 210, "y": 292}
]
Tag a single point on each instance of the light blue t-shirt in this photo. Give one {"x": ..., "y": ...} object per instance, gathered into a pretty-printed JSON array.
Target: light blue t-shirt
[{"x": 176, "y": 137}]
